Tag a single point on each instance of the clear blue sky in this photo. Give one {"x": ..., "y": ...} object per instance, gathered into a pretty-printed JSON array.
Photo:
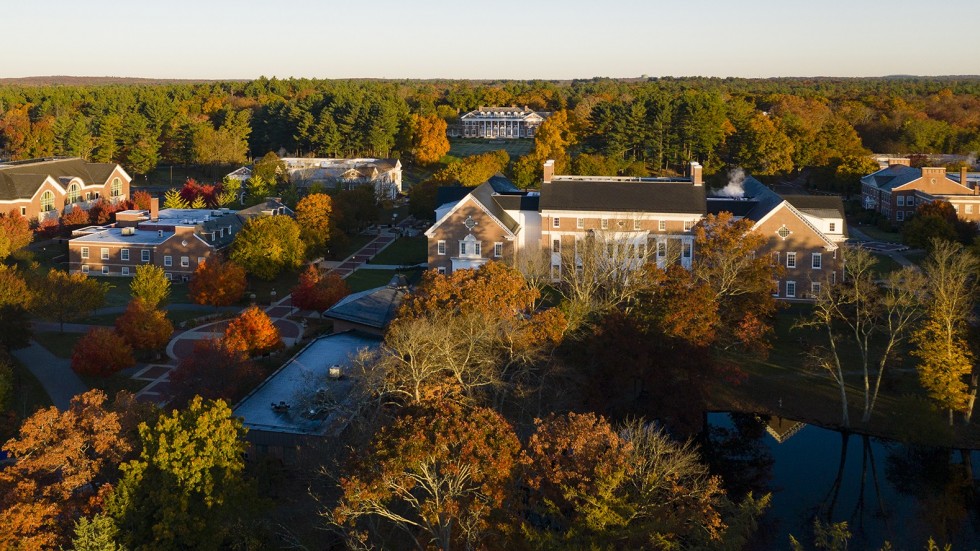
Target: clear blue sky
[{"x": 553, "y": 39}]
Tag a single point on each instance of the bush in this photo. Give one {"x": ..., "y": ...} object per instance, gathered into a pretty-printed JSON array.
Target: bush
[{"x": 101, "y": 352}]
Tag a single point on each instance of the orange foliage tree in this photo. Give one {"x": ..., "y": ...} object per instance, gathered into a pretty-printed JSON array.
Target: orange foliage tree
[
  {"x": 77, "y": 217},
  {"x": 15, "y": 233},
  {"x": 217, "y": 283},
  {"x": 64, "y": 464},
  {"x": 141, "y": 199},
  {"x": 429, "y": 142},
  {"x": 495, "y": 289},
  {"x": 143, "y": 327},
  {"x": 317, "y": 290},
  {"x": 252, "y": 333},
  {"x": 439, "y": 473},
  {"x": 313, "y": 214},
  {"x": 101, "y": 352}
]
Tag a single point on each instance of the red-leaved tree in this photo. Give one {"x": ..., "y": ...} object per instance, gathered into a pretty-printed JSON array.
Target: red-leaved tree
[
  {"x": 252, "y": 333},
  {"x": 317, "y": 290},
  {"x": 213, "y": 372},
  {"x": 101, "y": 352},
  {"x": 217, "y": 283}
]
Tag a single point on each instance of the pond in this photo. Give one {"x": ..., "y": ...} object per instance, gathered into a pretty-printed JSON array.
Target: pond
[{"x": 884, "y": 490}]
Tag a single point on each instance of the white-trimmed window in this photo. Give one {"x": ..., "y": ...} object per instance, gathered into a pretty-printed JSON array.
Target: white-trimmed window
[
  {"x": 816, "y": 261},
  {"x": 833, "y": 227},
  {"x": 185, "y": 261},
  {"x": 661, "y": 249},
  {"x": 580, "y": 223},
  {"x": 604, "y": 223},
  {"x": 790, "y": 289},
  {"x": 23, "y": 211},
  {"x": 900, "y": 200},
  {"x": 686, "y": 249},
  {"x": 815, "y": 288},
  {"x": 125, "y": 270},
  {"x": 441, "y": 247},
  {"x": 556, "y": 245},
  {"x": 688, "y": 225},
  {"x": 783, "y": 232},
  {"x": 47, "y": 201},
  {"x": 105, "y": 270},
  {"x": 636, "y": 224},
  {"x": 968, "y": 208},
  {"x": 556, "y": 222},
  {"x": 900, "y": 215},
  {"x": 145, "y": 255},
  {"x": 498, "y": 249},
  {"x": 74, "y": 194},
  {"x": 116, "y": 188},
  {"x": 662, "y": 225},
  {"x": 84, "y": 252},
  {"x": 790, "y": 260},
  {"x": 104, "y": 253},
  {"x": 441, "y": 270},
  {"x": 168, "y": 260},
  {"x": 124, "y": 254},
  {"x": 84, "y": 268}
]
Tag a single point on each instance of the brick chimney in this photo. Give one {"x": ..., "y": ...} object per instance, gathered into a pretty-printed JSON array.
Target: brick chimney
[
  {"x": 154, "y": 209},
  {"x": 963, "y": 181},
  {"x": 549, "y": 171},
  {"x": 696, "y": 177}
]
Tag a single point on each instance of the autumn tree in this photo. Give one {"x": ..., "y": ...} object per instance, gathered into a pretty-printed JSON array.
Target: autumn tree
[
  {"x": 495, "y": 289},
  {"x": 429, "y": 141},
  {"x": 438, "y": 474},
  {"x": 318, "y": 290},
  {"x": 144, "y": 327},
  {"x": 268, "y": 245},
  {"x": 101, "y": 352},
  {"x": 15, "y": 233},
  {"x": 14, "y": 289},
  {"x": 474, "y": 169},
  {"x": 186, "y": 489},
  {"x": 217, "y": 283},
  {"x": 213, "y": 372},
  {"x": 313, "y": 216},
  {"x": 945, "y": 357},
  {"x": 141, "y": 199},
  {"x": 62, "y": 297},
  {"x": 74, "y": 218},
  {"x": 936, "y": 220},
  {"x": 65, "y": 462},
  {"x": 150, "y": 284},
  {"x": 252, "y": 333}
]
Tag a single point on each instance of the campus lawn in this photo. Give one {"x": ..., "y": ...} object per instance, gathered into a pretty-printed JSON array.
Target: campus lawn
[
  {"x": 405, "y": 251},
  {"x": 119, "y": 293},
  {"x": 885, "y": 265},
  {"x": 362, "y": 280},
  {"x": 878, "y": 234},
  {"x": 354, "y": 244},
  {"x": 59, "y": 344},
  {"x": 283, "y": 284},
  {"x": 460, "y": 147},
  {"x": 28, "y": 395}
]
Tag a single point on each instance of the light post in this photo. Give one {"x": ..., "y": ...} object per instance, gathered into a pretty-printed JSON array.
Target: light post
[{"x": 272, "y": 297}]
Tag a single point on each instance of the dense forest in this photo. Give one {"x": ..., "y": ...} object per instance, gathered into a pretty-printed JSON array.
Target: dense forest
[{"x": 634, "y": 127}]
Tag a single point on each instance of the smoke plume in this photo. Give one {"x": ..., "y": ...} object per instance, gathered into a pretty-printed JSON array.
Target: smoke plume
[{"x": 734, "y": 188}]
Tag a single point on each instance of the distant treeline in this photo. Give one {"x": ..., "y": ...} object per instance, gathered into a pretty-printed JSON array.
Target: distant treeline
[{"x": 770, "y": 126}]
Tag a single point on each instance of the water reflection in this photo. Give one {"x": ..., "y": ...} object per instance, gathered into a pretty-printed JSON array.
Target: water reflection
[{"x": 884, "y": 490}]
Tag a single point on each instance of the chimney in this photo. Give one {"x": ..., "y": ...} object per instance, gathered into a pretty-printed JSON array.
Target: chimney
[
  {"x": 963, "y": 180},
  {"x": 696, "y": 177},
  {"x": 154, "y": 209},
  {"x": 549, "y": 171},
  {"x": 904, "y": 161}
]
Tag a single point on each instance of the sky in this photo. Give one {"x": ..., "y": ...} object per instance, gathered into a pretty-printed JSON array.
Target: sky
[{"x": 501, "y": 39}]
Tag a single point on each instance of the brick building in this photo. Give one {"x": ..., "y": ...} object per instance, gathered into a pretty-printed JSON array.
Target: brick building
[
  {"x": 46, "y": 188},
  {"x": 896, "y": 191}
]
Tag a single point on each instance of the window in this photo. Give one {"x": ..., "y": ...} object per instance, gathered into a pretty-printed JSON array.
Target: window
[
  {"x": 73, "y": 194},
  {"x": 688, "y": 225},
  {"x": 833, "y": 227},
  {"x": 200, "y": 260},
  {"x": 462, "y": 248},
  {"x": 47, "y": 201},
  {"x": 105, "y": 270},
  {"x": 441, "y": 247},
  {"x": 662, "y": 226},
  {"x": 900, "y": 215},
  {"x": 815, "y": 288},
  {"x": 498, "y": 249},
  {"x": 790, "y": 289},
  {"x": 104, "y": 253},
  {"x": 969, "y": 208},
  {"x": 900, "y": 201},
  {"x": 580, "y": 223},
  {"x": 604, "y": 223},
  {"x": 125, "y": 270},
  {"x": 833, "y": 278},
  {"x": 556, "y": 222},
  {"x": 116, "y": 189},
  {"x": 661, "y": 249},
  {"x": 816, "y": 261},
  {"x": 775, "y": 287},
  {"x": 790, "y": 260},
  {"x": 84, "y": 268},
  {"x": 23, "y": 211},
  {"x": 84, "y": 252},
  {"x": 145, "y": 255},
  {"x": 783, "y": 232},
  {"x": 556, "y": 245},
  {"x": 636, "y": 224},
  {"x": 686, "y": 247},
  {"x": 185, "y": 261},
  {"x": 124, "y": 254},
  {"x": 441, "y": 270},
  {"x": 168, "y": 260},
  {"x": 169, "y": 276}
]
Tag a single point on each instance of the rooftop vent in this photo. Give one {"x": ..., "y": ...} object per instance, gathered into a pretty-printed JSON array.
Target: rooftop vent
[{"x": 335, "y": 371}]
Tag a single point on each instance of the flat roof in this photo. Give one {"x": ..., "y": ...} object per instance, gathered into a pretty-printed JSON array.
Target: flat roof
[
  {"x": 277, "y": 405},
  {"x": 115, "y": 235}
]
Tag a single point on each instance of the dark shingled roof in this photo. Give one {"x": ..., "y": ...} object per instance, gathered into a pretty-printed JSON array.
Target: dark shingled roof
[
  {"x": 823, "y": 206},
  {"x": 738, "y": 207},
  {"x": 623, "y": 195},
  {"x": 518, "y": 202},
  {"x": 22, "y": 180},
  {"x": 451, "y": 194},
  {"x": 484, "y": 193},
  {"x": 892, "y": 177},
  {"x": 374, "y": 307}
]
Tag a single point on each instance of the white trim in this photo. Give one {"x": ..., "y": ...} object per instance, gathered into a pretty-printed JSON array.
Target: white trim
[
  {"x": 793, "y": 294},
  {"x": 430, "y": 232},
  {"x": 830, "y": 244}
]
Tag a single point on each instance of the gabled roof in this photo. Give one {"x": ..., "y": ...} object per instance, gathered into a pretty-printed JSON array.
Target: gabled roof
[
  {"x": 622, "y": 195},
  {"x": 374, "y": 307},
  {"x": 21, "y": 180},
  {"x": 266, "y": 208},
  {"x": 889, "y": 178},
  {"x": 821, "y": 206},
  {"x": 485, "y": 195}
]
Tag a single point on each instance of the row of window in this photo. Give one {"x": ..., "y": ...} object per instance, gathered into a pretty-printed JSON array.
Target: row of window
[
  {"x": 791, "y": 289},
  {"x": 604, "y": 224},
  {"x": 74, "y": 195},
  {"x": 471, "y": 248},
  {"x": 122, "y": 271},
  {"x": 638, "y": 250},
  {"x": 816, "y": 260},
  {"x": 168, "y": 260}
]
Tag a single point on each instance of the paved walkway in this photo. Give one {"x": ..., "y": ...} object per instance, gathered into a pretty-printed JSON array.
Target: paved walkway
[
  {"x": 54, "y": 374},
  {"x": 856, "y": 235}
]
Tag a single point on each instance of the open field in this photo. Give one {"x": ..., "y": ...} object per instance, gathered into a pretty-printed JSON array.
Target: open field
[
  {"x": 405, "y": 251},
  {"x": 460, "y": 147},
  {"x": 362, "y": 280}
]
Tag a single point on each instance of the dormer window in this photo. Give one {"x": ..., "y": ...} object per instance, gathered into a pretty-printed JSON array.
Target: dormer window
[{"x": 159, "y": 233}]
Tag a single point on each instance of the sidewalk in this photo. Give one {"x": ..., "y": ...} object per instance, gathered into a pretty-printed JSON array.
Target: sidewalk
[{"x": 54, "y": 374}]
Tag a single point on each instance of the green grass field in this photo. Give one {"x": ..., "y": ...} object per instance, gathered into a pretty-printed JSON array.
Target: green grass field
[
  {"x": 59, "y": 344},
  {"x": 119, "y": 293},
  {"x": 28, "y": 395},
  {"x": 459, "y": 147},
  {"x": 405, "y": 251},
  {"x": 362, "y": 280},
  {"x": 168, "y": 176}
]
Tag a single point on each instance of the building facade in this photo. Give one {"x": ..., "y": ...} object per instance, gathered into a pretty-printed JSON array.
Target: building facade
[
  {"x": 384, "y": 174},
  {"x": 45, "y": 189},
  {"x": 500, "y": 122},
  {"x": 896, "y": 191}
]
